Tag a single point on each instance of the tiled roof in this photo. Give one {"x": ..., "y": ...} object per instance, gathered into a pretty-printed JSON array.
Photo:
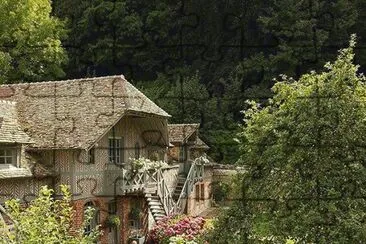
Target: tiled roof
[
  {"x": 14, "y": 172},
  {"x": 200, "y": 144},
  {"x": 181, "y": 132},
  {"x": 10, "y": 130},
  {"x": 75, "y": 113}
]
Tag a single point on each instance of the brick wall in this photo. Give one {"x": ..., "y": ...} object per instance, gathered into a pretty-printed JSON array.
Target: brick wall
[{"x": 123, "y": 205}]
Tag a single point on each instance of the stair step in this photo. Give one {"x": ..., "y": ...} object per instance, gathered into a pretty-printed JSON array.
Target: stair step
[
  {"x": 152, "y": 207},
  {"x": 158, "y": 211},
  {"x": 151, "y": 195},
  {"x": 159, "y": 215},
  {"x": 155, "y": 204},
  {"x": 152, "y": 199},
  {"x": 149, "y": 199},
  {"x": 157, "y": 208}
]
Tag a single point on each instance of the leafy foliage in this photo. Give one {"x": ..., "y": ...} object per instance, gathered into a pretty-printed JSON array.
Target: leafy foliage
[
  {"x": 305, "y": 158},
  {"x": 236, "y": 47},
  {"x": 227, "y": 190},
  {"x": 46, "y": 220},
  {"x": 30, "y": 41}
]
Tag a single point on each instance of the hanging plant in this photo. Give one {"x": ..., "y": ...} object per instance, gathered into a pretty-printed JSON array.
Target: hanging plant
[
  {"x": 112, "y": 221},
  {"x": 135, "y": 213}
]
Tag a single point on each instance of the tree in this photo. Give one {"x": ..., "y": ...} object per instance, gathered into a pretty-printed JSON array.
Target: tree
[
  {"x": 185, "y": 98},
  {"x": 30, "y": 41},
  {"x": 46, "y": 220},
  {"x": 114, "y": 37},
  {"x": 305, "y": 158},
  {"x": 237, "y": 47}
]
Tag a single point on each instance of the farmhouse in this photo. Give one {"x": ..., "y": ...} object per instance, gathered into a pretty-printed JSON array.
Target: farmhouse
[{"x": 85, "y": 133}]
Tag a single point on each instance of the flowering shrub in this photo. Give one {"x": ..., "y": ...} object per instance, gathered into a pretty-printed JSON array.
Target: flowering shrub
[
  {"x": 146, "y": 164},
  {"x": 178, "y": 229}
]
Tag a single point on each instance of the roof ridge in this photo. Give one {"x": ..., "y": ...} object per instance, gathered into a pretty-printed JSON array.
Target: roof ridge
[
  {"x": 65, "y": 81},
  {"x": 185, "y": 124}
]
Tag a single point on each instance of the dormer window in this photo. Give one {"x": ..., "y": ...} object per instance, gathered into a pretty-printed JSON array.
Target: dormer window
[
  {"x": 182, "y": 153},
  {"x": 8, "y": 156}
]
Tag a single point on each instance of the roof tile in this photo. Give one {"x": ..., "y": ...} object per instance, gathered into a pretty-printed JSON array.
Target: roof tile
[
  {"x": 181, "y": 132},
  {"x": 75, "y": 113},
  {"x": 10, "y": 130}
]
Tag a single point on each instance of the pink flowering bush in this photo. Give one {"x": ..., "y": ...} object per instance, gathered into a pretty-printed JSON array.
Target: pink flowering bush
[{"x": 187, "y": 228}]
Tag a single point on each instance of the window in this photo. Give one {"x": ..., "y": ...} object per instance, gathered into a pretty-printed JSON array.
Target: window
[
  {"x": 112, "y": 210},
  {"x": 7, "y": 156},
  {"x": 197, "y": 192},
  {"x": 116, "y": 154},
  {"x": 112, "y": 207},
  {"x": 203, "y": 191},
  {"x": 137, "y": 150},
  {"x": 95, "y": 219},
  {"x": 182, "y": 153},
  {"x": 91, "y": 157}
]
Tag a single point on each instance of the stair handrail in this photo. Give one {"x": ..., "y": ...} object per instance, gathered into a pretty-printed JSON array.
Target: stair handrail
[
  {"x": 195, "y": 174},
  {"x": 164, "y": 193}
]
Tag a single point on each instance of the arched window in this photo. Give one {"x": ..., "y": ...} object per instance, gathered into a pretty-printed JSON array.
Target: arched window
[
  {"x": 95, "y": 219},
  {"x": 137, "y": 150}
]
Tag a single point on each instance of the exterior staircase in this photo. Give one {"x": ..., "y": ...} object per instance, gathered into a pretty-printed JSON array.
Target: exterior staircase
[
  {"x": 155, "y": 206},
  {"x": 179, "y": 187},
  {"x": 160, "y": 200}
]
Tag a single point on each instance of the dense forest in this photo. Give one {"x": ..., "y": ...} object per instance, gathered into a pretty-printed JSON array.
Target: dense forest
[{"x": 201, "y": 60}]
